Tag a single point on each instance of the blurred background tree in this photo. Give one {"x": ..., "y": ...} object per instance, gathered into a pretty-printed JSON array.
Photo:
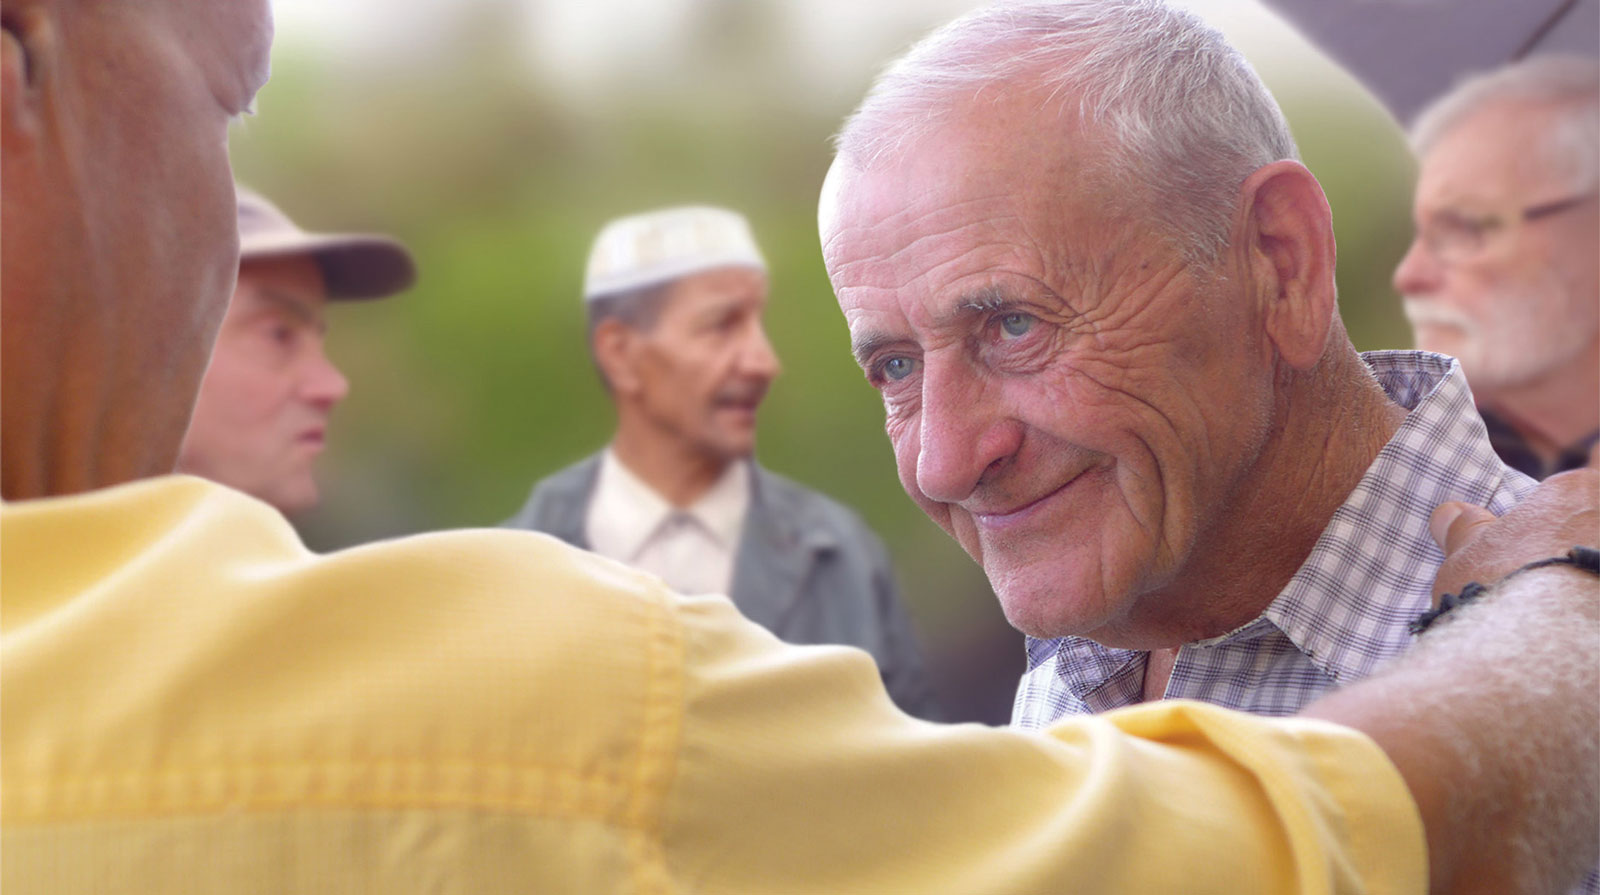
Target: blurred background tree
[{"x": 495, "y": 137}]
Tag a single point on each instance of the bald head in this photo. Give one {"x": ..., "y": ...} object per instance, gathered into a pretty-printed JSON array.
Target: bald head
[{"x": 119, "y": 239}]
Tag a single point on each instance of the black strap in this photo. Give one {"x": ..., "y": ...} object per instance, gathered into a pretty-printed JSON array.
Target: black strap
[{"x": 1584, "y": 558}]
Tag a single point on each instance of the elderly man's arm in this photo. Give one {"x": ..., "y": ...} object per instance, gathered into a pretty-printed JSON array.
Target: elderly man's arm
[{"x": 1493, "y": 720}]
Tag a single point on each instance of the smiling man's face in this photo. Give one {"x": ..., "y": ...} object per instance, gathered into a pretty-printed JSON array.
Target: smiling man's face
[{"x": 1065, "y": 395}]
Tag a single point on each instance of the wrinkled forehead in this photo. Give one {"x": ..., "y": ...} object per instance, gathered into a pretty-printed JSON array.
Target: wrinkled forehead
[
  {"x": 1018, "y": 148},
  {"x": 964, "y": 207}
]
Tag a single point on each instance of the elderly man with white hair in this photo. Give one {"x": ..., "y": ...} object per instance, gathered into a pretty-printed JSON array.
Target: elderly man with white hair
[
  {"x": 1502, "y": 273},
  {"x": 676, "y": 299},
  {"x": 1081, "y": 262}
]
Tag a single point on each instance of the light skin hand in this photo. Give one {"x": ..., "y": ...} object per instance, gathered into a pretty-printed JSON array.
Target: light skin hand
[
  {"x": 1491, "y": 718},
  {"x": 1559, "y": 515}
]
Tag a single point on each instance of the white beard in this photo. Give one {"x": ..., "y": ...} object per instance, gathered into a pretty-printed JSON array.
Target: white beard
[{"x": 1518, "y": 339}]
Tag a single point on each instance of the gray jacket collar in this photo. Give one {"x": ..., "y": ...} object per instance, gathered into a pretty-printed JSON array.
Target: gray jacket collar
[{"x": 780, "y": 545}]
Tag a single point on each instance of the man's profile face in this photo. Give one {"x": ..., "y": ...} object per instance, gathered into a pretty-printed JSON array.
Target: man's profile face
[
  {"x": 1511, "y": 298},
  {"x": 1063, "y": 394},
  {"x": 704, "y": 367},
  {"x": 262, "y": 415}
]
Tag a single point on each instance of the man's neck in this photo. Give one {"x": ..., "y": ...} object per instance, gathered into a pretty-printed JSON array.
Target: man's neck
[
  {"x": 57, "y": 445},
  {"x": 1555, "y": 410},
  {"x": 1328, "y": 430},
  {"x": 674, "y": 470}
]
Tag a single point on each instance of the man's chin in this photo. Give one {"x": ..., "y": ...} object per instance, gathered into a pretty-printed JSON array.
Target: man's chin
[
  {"x": 733, "y": 449},
  {"x": 296, "y": 497},
  {"x": 1045, "y": 609}
]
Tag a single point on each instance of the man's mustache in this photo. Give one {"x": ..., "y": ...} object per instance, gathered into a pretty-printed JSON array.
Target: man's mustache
[
  {"x": 1424, "y": 312},
  {"x": 749, "y": 392}
]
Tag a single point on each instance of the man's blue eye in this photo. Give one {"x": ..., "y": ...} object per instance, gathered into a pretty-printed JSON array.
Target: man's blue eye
[
  {"x": 897, "y": 367},
  {"x": 1016, "y": 324}
]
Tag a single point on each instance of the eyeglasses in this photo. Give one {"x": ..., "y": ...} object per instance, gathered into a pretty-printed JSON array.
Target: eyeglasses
[{"x": 1454, "y": 237}]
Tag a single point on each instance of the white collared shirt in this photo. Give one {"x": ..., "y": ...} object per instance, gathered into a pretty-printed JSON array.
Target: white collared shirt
[{"x": 692, "y": 548}]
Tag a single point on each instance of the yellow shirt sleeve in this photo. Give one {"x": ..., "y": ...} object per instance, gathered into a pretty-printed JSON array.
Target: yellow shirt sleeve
[
  {"x": 192, "y": 702},
  {"x": 796, "y": 775}
]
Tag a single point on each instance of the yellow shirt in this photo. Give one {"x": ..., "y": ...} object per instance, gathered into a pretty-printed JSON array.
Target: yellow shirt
[{"x": 193, "y": 702}]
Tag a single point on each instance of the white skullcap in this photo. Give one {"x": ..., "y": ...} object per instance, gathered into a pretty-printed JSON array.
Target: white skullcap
[{"x": 657, "y": 246}]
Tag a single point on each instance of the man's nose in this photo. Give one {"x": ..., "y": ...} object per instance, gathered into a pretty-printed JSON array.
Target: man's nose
[
  {"x": 756, "y": 357},
  {"x": 1419, "y": 272},
  {"x": 323, "y": 384},
  {"x": 964, "y": 430}
]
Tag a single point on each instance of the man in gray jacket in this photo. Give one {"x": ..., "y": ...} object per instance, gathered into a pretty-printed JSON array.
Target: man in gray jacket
[{"x": 675, "y": 300}]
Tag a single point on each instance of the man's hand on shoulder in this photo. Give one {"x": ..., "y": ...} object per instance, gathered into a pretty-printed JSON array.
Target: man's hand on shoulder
[{"x": 1564, "y": 511}]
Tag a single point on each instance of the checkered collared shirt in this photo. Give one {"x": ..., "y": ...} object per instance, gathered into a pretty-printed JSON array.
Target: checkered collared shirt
[{"x": 1346, "y": 609}]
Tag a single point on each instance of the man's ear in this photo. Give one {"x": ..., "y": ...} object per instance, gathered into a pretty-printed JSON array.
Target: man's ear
[
  {"x": 24, "y": 43},
  {"x": 1288, "y": 237},
  {"x": 614, "y": 343}
]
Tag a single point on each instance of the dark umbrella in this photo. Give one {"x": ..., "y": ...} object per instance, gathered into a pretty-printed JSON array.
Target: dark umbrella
[{"x": 1410, "y": 51}]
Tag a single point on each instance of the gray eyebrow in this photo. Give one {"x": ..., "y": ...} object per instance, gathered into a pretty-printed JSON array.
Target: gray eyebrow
[
  {"x": 868, "y": 345},
  {"x": 987, "y": 300}
]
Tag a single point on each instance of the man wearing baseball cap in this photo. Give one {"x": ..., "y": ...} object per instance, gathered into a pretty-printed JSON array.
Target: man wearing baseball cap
[
  {"x": 262, "y": 414},
  {"x": 675, "y": 299}
]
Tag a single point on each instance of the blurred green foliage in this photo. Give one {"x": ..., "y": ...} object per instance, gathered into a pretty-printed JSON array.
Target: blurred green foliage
[{"x": 477, "y": 383}]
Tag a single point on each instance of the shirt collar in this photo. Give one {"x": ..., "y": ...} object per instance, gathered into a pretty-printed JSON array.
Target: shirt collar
[
  {"x": 1439, "y": 453},
  {"x": 721, "y": 509},
  {"x": 634, "y": 511}
]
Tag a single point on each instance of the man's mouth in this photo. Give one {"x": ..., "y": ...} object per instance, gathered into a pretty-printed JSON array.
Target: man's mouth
[
  {"x": 999, "y": 519},
  {"x": 742, "y": 401}
]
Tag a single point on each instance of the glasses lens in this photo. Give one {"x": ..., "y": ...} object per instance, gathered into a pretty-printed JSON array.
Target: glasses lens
[{"x": 1453, "y": 237}]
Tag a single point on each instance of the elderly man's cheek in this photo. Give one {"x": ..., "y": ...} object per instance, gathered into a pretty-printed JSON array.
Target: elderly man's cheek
[{"x": 905, "y": 438}]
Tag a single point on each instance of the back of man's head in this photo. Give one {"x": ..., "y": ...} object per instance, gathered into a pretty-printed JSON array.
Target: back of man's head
[{"x": 119, "y": 240}]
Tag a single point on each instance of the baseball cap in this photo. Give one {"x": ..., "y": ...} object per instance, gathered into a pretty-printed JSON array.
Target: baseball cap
[
  {"x": 354, "y": 265},
  {"x": 654, "y": 247}
]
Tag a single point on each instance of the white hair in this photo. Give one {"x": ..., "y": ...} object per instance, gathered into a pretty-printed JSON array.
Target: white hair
[
  {"x": 1185, "y": 115},
  {"x": 1567, "y": 85}
]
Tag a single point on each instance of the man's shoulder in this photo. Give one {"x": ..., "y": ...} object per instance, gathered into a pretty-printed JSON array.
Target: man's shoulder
[
  {"x": 807, "y": 507},
  {"x": 207, "y": 633},
  {"x": 557, "y": 502}
]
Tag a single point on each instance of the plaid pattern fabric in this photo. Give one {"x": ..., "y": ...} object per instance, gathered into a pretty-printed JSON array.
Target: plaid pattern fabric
[{"x": 1346, "y": 609}]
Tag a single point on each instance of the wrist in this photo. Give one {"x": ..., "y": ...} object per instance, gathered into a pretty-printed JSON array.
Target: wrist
[{"x": 1579, "y": 560}]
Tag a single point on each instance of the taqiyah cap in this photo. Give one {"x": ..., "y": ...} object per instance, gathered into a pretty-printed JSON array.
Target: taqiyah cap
[
  {"x": 658, "y": 246},
  {"x": 354, "y": 265}
]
